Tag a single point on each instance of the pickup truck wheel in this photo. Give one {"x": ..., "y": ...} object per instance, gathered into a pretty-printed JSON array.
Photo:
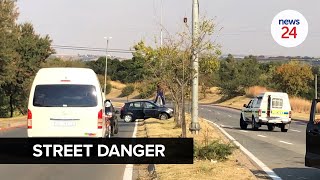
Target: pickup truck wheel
[
  {"x": 243, "y": 124},
  {"x": 255, "y": 126},
  {"x": 283, "y": 129},
  {"x": 270, "y": 127}
]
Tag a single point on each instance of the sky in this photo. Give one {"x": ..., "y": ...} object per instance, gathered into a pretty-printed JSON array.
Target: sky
[{"x": 245, "y": 24}]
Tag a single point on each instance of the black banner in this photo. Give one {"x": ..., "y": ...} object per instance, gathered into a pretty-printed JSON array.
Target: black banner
[{"x": 96, "y": 151}]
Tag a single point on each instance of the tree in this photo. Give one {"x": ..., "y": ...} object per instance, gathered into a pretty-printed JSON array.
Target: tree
[
  {"x": 294, "y": 77},
  {"x": 170, "y": 64},
  {"x": 21, "y": 53}
]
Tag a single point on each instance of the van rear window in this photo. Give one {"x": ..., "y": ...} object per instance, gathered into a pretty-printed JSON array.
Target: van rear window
[
  {"x": 277, "y": 103},
  {"x": 62, "y": 95}
]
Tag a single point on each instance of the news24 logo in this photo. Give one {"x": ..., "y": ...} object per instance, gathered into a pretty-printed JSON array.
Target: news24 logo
[{"x": 289, "y": 28}]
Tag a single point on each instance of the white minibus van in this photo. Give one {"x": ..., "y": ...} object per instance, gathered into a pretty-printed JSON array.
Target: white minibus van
[{"x": 66, "y": 102}]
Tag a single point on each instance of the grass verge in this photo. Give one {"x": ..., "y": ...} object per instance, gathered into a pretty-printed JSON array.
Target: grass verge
[{"x": 230, "y": 168}]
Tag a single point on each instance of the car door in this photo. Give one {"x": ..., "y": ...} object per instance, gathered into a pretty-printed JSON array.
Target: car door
[
  {"x": 136, "y": 108},
  {"x": 247, "y": 110},
  {"x": 312, "y": 157},
  {"x": 150, "y": 110}
]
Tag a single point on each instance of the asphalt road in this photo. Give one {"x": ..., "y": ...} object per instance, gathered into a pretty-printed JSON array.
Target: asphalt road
[
  {"x": 281, "y": 152},
  {"x": 63, "y": 172}
]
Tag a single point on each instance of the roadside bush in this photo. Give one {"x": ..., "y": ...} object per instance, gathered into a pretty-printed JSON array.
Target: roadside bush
[
  {"x": 128, "y": 90},
  {"x": 147, "y": 91},
  {"x": 254, "y": 91},
  {"x": 101, "y": 80},
  {"x": 214, "y": 150}
]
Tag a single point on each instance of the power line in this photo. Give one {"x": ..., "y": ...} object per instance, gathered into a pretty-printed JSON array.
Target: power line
[{"x": 82, "y": 48}]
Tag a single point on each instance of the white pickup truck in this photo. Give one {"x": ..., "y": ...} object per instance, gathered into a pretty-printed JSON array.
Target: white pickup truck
[{"x": 270, "y": 108}]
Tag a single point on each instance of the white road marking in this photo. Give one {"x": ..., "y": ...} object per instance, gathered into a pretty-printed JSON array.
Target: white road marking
[
  {"x": 210, "y": 110},
  {"x": 229, "y": 116},
  {"x": 295, "y": 130},
  {"x": 261, "y": 135},
  {"x": 244, "y": 131},
  {"x": 264, "y": 167},
  {"x": 202, "y": 108},
  {"x": 218, "y": 113},
  {"x": 285, "y": 142},
  {"x": 128, "y": 171}
]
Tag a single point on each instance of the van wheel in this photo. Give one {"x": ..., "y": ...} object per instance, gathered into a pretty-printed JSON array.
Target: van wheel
[
  {"x": 270, "y": 127},
  {"x": 128, "y": 118},
  {"x": 243, "y": 124},
  {"x": 163, "y": 116},
  {"x": 283, "y": 129},
  {"x": 255, "y": 126}
]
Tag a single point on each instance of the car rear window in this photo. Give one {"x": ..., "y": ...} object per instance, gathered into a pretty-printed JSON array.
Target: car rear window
[
  {"x": 62, "y": 95},
  {"x": 277, "y": 103}
]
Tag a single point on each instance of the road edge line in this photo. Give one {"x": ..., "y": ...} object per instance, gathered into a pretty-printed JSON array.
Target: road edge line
[
  {"x": 128, "y": 171},
  {"x": 264, "y": 167}
]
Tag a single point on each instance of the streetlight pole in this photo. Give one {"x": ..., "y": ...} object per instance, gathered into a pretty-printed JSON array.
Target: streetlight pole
[
  {"x": 106, "y": 68},
  {"x": 161, "y": 35},
  {"x": 195, "y": 126}
]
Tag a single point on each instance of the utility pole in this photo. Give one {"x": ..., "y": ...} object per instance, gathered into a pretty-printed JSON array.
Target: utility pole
[
  {"x": 316, "y": 86},
  {"x": 195, "y": 126},
  {"x": 106, "y": 68},
  {"x": 161, "y": 34}
]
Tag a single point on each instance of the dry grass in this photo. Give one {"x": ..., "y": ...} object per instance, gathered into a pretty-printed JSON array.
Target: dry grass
[
  {"x": 236, "y": 102},
  {"x": 114, "y": 93},
  {"x": 300, "y": 105},
  {"x": 117, "y": 85},
  {"x": 255, "y": 90},
  {"x": 15, "y": 121},
  {"x": 201, "y": 169}
]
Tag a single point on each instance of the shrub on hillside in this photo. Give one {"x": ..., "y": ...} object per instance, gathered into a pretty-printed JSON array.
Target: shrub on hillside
[
  {"x": 214, "y": 150},
  {"x": 254, "y": 91},
  {"x": 128, "y": 90},
  {"x": 147, "y": 91}
]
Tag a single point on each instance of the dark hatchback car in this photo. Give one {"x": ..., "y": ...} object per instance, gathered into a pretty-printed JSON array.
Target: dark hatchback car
[
  {"x": 312, "y": 157},
  {"x": 144, "y": 109},
  {"x": 111, "y": 114}
]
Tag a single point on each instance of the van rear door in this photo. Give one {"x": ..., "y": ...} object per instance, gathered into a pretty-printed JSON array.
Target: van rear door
[
  {"x": 276, "y": 107},
  {"x": 312, "y": 157},
  {"x": 65, "y": 110}
]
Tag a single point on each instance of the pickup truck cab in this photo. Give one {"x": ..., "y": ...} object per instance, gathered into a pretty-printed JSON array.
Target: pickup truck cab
[{"x": 271, "y": 108}]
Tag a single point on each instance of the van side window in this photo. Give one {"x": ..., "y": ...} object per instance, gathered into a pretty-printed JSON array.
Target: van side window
[
  {"x": 258, "y": 103},
  {"x": 277, "y": 103}
]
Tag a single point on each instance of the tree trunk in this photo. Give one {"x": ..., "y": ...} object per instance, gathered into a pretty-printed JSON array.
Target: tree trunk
[
  {"x": 177, "y": 114},
  {"x": 11, "y": 105}
]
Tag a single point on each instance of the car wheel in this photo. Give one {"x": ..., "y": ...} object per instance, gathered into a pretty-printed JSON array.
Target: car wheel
[
  {"x": 128, "y": 118},
  {"x": 255, "y": 126},
  {"x": 283, "y": 129},
  {"x": 270, "y": 127},
  {"x": 243, "y": 124},
  {"x": 164, "y": 116}
]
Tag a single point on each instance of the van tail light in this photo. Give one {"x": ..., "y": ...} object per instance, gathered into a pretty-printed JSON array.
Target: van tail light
[
  {"x": 290, "y": 114},
  {"x": 29, "y": 119},
  {"x": 259, "y": 112},
  {"x": 100, "y": 120}
]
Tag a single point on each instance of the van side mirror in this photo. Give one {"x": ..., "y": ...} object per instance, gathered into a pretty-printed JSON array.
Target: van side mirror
[{"x": 244, "y": 105}]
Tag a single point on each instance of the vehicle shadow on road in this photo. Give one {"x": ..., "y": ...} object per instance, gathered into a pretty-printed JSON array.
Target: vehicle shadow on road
[{"x": 291, "y": 173}]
